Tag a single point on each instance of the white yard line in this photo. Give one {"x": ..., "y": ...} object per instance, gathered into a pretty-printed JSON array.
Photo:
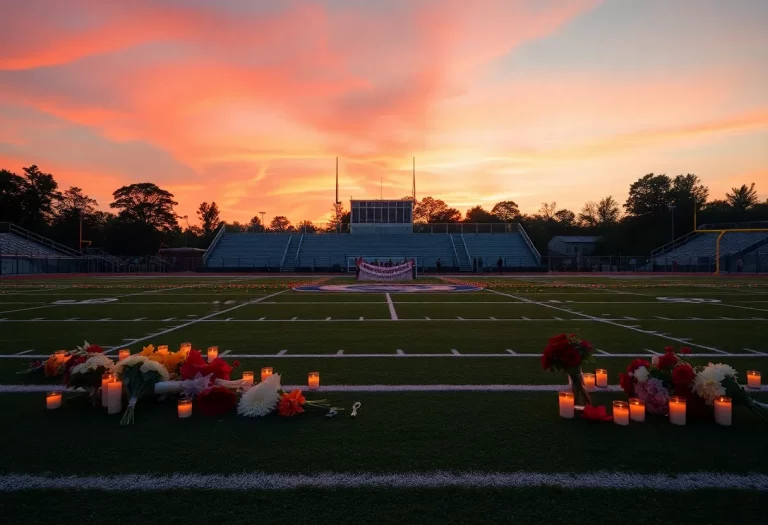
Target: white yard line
[
  {"x": 610, "y": 322},
  {"x": 24, "y": 352},
  {"x": 392, "y": 311},
  {"x": 387, "y": 319},
  {"x": 263, "y": 481}
]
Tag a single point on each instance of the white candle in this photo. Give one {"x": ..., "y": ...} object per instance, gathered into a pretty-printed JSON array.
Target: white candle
[
  {"x": 566, "y": 404},
  {"x": 115, "y": 400},
  {"x": 266, "y": 372},
  {"x": 123, "y": 354},
  {"x": 313, "y": 380},
  {"x": 185, "y": 408},
  {"x": 105, "y": 380},
  {"x": 53, "y": 400},
  {"x": 753, "y": 378},
  {"x": 723, "y": 411},
  {"x": 589, "y": 382},
  {"x": 213, "y": 353},
  {"x": 621, "y": 413},
  {"x": 185, "y": 347},
  {"x": 162, "y": 349},
  {"x": 677, "y": 410},
  {"x": 247, "y": 379},
  {"x": 602, "y": 377},
  {"x": 636, "y": 409},
  {"x": 655, "y": 360}
]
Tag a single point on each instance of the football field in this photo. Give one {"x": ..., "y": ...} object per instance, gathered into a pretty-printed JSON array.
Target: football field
[{"x": 458, "y": 421}]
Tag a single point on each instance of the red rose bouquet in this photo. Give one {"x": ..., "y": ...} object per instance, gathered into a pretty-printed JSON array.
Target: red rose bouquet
[
  {"x": 195, "y": 363},
  {"x": 216, "y": 401},
  {"x": 566, "y": 353}
]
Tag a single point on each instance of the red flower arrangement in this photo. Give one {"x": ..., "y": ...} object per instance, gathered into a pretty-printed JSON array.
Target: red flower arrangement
[
  {"x": 566, "y": 353},
  {"x": 195, "y": 363},
  {"x": 216, "y": 401},
  {"x": 626, "y": 381},
  {"x": 291, "y": 403}
]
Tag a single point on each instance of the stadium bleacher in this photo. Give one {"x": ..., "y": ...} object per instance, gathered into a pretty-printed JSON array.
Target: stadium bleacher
[
  {"x": 703, "y": 246},
  {"x": 11, "y": 244}
]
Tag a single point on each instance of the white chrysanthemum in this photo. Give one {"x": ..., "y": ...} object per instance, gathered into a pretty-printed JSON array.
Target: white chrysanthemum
[
  {"x": 723, "y": 370},
  {"x": 260, "y": 399},
  {"x": 94, "y": 362},
  {"x": 134, "y": 360},
  {"x": 641, "y": 374},
  {"x": 708, "y": 383},
  {"x": 154, "y": 366}
]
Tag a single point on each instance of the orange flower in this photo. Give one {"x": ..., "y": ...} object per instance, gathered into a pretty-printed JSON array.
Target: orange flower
[
  {"x": 147, "y": 350},
  {"x": 291, "y": 404},
  {"x": 51, "y": 367}
]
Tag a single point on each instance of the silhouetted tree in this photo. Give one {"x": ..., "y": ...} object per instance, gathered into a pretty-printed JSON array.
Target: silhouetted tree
[
  {"x": 146, "y": 204},
  {"x": 209, "y": 217},
  {"x": 743, "y": 198},
  {"x": 506, "y": 211},
  {"x": 306, "y": 227},
  {"x": 478, "y": 214},
  {"x": 280, "y": 224},
  {"x": 430, "y": 210}
]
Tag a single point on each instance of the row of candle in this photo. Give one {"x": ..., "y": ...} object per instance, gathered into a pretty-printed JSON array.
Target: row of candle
[
  {"x": 600, "y": 379},
  {"x": 634, "y": 410}
]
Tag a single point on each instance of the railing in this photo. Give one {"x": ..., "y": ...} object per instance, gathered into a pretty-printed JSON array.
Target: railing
[
  {"x": 527, "y": 240},
  {"x": 9, "y": 227},
  {"x": 674, "y": 244},
  {"x": 466, "y": 250},
  {"x": 749, "y": 225},
  {"x": 449, "y": 227},
  {"x": 285, "y": 253},
  {"x": 214, "y": 242},
  {"x": 755, "y": 262},
  {"x": 298, "y": 251},
  {"x": 455, "y": 253}
]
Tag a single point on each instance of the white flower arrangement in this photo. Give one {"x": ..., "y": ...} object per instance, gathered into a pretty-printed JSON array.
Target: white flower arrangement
[
  {"x": 134, "y": 360},
  {"x": 94, "y": 362},
  {"x": 641, "y": 374},
  {"x": 708, "y": 383},
  {"x": 154, "y": 366},
  {"x": 260, "y": 399}
]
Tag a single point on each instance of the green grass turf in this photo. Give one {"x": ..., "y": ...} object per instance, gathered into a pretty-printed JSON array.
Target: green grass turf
[
  {"x": 357, "y": 506},
  {"x": 485, "y": 432}
]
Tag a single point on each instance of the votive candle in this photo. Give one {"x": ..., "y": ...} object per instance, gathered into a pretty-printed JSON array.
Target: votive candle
[
  {"x": 248, "y": 378},
  {"x": 105, "y": 380},
  {"x": 589, "y": 382},
  {"x": 753, "y": 378},
  {"x": 162, "y": 349},
  {"x": 566, "y": 404},
  {"x": 266, "y": 372},
  {"x": 636, "y": 409},
  {"x": 313, "y": 380},
  {"x": 185, "y": 347},
  {"x": 621, "y": 413},
  {"x": 723, "y": 411},
  {"x": 53, "y": 400},
  {"x": 115, "y": 400},
  {"x": 213, "y": 353},
  {"x": 123, "y": 354},
  {"x": 677, "y": 410},
  {"x": 601, "y": 375},
  {"x": 185, "y": 407},
  {"x": 655, "y": 360}
]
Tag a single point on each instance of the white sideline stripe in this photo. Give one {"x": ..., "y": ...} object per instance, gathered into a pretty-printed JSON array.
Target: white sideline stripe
[
  {"x": 225, "y": 352},
  {"x": 29, "y": 389},
  {"x": 652, "y": 351},
  {"x": 392, "y": 311},
  {"x": 195, "y": 321},
  {"x": 607, "y": 321},
  {"x": 250, "y": 481},
  {"x": 400, "y": 353},
  {"x": 387, "y": 319}
]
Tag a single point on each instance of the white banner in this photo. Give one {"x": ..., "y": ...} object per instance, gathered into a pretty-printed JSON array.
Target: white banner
[{"x": 370, "y": 272}]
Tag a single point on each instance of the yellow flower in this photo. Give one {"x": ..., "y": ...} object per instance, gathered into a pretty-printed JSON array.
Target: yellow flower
[
  {"x": 148, "y": 350},
  {"x": 172, "y": 361}
]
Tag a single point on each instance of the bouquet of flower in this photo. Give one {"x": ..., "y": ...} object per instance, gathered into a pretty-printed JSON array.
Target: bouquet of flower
[
  {"x": 170, "y": 360},
  {"x": 263, "y": 398},
  {"x": 654, "y": 383},
  {"x": 60, "y": 362},
  {"x": 88, "y": 373},
  {"x": 194, "y": 364},
  {"x": 139, "y": 375},
  {"x": 715, "y": 380},
  {"x": 216, "y": 401},
  {"x": 566, "y": 353}
]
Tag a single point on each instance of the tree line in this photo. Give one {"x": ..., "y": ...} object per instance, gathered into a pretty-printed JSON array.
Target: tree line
[{"x": 658, "y": 209}]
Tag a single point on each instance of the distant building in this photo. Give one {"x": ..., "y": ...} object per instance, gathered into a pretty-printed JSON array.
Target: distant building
[{"x": 573, "y": 245}]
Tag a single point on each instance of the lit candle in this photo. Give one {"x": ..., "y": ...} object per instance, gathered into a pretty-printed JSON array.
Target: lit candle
[
  {"x": 566, "y": 405},
  {"x": 636, "y": 409},
  {"x": 61, "y": 356},
  {"x": 248, "y": 378},
  {"x": 185, "y": 347},
  {"x": 53, "y": 400},
  {"x": 213, "y": 353},
  {"x": 589, "y": 382},
  {"x": 621, "y": 413},
  {"x": 115, "y": 400},
  {"x": 655, "y": 360},
  {"x": 753, "y": 378},
  {"x": 723, "y": 411},
  {"x": 677, "y": 410},
  {"x": 185, "y": 407},
  {"x": 123, "y": 354},
  {"x": 105, "y": 380},
  {"x": 314, "y": 380},
  {"x": 266, "y": 372},
  {"x": 602, "y": 377},
  {"x": 162, "y": 349}
]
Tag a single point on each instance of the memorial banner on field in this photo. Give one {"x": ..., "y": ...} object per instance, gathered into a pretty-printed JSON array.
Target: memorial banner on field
[{"x": 371, "y": 272}]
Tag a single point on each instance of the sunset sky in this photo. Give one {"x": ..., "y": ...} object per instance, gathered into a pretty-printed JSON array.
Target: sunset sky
[{"x": 248, "y": 102}]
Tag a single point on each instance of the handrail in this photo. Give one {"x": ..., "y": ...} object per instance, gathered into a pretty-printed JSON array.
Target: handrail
[
  {"x": 527, "y": 240},
  {"x": 214, "y": 242},
  {"x": 464, "y": 242},
  {"x": 21, "y": 232},
  {"x": 455, "y": 253},
  {"x": 285, "y": 253},
  {"x": 296, "y": 259},
  {"x": 674, "y": 244}
]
